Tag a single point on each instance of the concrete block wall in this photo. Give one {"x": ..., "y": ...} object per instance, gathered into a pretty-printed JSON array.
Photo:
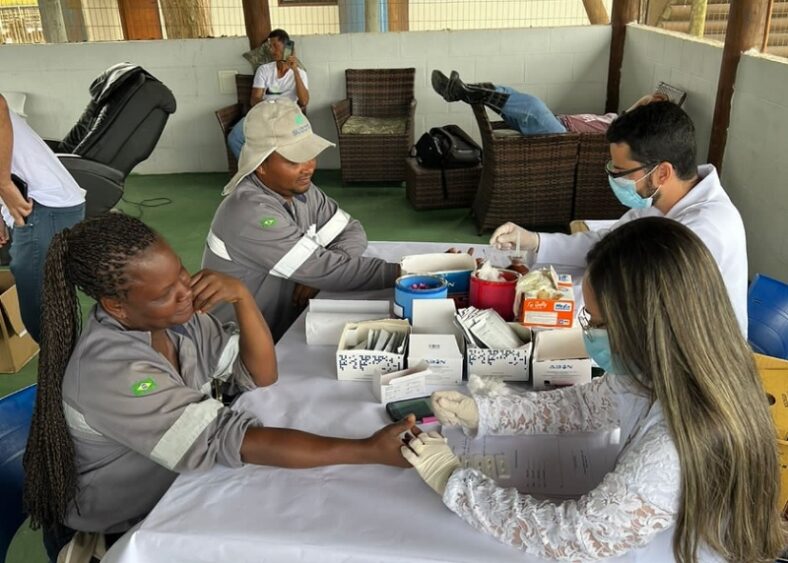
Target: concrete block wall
[
  {"x": 755, "y": 168},
  {"x": 652, "y": 55},
  {"x": 567, "y": 66}
]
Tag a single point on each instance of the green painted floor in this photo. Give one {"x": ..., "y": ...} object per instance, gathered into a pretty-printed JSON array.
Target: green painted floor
[{"x": 384, "y": 212}]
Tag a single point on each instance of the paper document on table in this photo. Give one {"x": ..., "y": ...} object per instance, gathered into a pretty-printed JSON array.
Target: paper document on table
[{"x": 549, "y": 465}]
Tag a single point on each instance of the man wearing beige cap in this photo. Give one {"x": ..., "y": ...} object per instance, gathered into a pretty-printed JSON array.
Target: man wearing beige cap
[{"x": 278, "y": 232}]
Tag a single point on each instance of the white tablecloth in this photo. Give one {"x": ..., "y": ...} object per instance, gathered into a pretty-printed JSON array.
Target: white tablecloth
[{"x": 331, "y": 514}]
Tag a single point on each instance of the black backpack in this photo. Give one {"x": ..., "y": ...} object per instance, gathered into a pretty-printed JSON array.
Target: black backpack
[{"x": 447, "y": 147}]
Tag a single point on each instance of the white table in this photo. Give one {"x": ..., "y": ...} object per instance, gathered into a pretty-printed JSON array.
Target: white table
[{"x": 331, "y": 514}]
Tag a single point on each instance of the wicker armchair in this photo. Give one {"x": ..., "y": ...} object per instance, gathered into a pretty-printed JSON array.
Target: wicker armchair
[
  {"x": 525, "y": 179},
  {"x": 375, "y": 124},
  {"x": 230, "y": 115}
]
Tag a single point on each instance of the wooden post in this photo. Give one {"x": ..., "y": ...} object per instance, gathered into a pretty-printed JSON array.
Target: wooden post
[
  {"x": 767, "y": 26},
  {"x": 52, "y": 23},
  {"x": 745, "y": 30},
  {"x": 186, "y": 19},
  {"x": 372, "y": 15},
  {"x": 140, "y": 19},
  {"x": 257, "y": 17},
  {"x": 398, "y": 15},
  {"x": 74, "y": 21},
  {"x": 622, "y": 13},
  {"x": 656, "y": 10},
  {"x": 698, "y": 18},
  {"x": 595, "y": 9}
]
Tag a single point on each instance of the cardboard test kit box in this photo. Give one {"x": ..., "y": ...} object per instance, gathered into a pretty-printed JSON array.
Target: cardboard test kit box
[
  {"x": 436, "y": 341},
  {"x": 560, "y": 359},
  {"x": 357, "y": 361},
  {"x": 508, "y": 364},
  {"x": 16, "y": 345}
]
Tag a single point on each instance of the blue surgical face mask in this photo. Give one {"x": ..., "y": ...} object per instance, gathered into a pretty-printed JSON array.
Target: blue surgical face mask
[
  {"x": 597, "y": 345},
  {"x": 625, "y": 189}
]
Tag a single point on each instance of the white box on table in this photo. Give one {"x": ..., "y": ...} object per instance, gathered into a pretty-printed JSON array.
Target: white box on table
[
  {"x": 560, "y": 358},
  {"x": 326, "y": 318},
  {"x": 361, "y": 365},
  {"x": 508, "y": 364},
  {"x": 433, "y": 332},
  {"x": 399, "y": 385}
]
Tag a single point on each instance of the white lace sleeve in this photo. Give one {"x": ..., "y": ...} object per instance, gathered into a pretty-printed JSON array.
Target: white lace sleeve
[
  {"x": 634, "y": 502},
  {"x": 580, "y": 408}
]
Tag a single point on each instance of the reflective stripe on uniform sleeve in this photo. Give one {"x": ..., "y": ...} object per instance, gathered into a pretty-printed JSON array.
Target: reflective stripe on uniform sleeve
[
  {"x": 224, "y": 367},
  {"x": 217, "y": 246},
  {"x": 308, "y": 243},
  {"x": 183, "y": 433},
  {"x": 76, "y": 420},
  {"x": 296, "y": 256},
  {"x": 333, "y": 227}
]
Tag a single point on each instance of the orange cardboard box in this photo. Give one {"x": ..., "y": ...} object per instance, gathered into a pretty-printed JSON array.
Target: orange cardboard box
[
  {"x": 17, "y": 347},
  {"x": 550, "y": 313}
]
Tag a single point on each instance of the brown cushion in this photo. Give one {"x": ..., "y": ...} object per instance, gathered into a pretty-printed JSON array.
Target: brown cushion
[{"x": 357, "y": 125}]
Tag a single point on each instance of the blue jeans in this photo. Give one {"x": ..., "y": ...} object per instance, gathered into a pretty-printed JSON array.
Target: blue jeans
[
  {"x": 29, "y": 245},
  {"x": 236, "y": 138},
  {"x": 528, "y": 114}
]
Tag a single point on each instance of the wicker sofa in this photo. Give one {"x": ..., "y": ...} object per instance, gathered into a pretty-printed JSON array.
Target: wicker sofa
[{"x": 375, "y": 124}]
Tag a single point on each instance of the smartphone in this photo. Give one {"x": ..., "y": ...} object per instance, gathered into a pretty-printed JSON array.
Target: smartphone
[
  {"x": 289, "y": 48},
  {"x": 420, "y": 406},
  {"x": 20, "y": 184}
]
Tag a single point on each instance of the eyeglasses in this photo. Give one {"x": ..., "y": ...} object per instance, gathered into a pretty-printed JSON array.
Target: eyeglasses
[
  {"x": 611, "y": 170},
  {"x": 586, "y": 323}
]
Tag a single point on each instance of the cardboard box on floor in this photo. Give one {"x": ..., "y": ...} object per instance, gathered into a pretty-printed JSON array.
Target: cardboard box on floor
[
  {"x": 16, "y": 344},
  {"x": 559, "y": 359},
  {"x": 774, "y": 377}
]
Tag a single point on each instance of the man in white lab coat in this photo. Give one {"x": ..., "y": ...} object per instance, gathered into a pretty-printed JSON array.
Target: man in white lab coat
[{"x": 653, "y": 171}]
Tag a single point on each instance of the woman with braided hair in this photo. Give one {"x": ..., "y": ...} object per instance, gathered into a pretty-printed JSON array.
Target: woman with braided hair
[{"x": 135, "y": 397}]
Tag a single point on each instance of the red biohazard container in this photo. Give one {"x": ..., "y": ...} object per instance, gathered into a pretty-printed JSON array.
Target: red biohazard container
[{"x": 498, "y": 295}]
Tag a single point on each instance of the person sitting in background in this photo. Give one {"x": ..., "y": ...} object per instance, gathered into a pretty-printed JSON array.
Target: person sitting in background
[
  {"x": 278, "y": 232},
  {"x": 525, "y": 112},
  {"x": 653, "y": 171},
  {"x": 281, "y": 78},
  {"x": 136, "y": 398},
  {"x": 697, "y": 478},
  {"x": 53, "y": 202}
]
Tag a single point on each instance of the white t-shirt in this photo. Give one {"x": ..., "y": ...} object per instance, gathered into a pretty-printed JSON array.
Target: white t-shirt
[
  {"x": 276, "y": 87},
  {"x": 48, "y": 181}
]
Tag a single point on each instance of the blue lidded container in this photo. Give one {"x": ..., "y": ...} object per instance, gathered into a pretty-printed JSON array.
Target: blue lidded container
[{"x": 408, "y": 288}]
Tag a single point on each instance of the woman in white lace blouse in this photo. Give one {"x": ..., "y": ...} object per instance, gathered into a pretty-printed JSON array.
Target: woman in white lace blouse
[{"x": 699, "y": 463}]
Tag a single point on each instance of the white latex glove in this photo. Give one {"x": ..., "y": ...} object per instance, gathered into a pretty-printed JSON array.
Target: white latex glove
[
  {"x": 505, "y": 238},
  {"x": 433, "y": 459},
  {"x": 455, "y": 409}
]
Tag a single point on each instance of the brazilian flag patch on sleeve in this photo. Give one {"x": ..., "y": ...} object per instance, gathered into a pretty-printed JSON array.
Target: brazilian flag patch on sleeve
[
  {"x": 143, "y": 387},
  {"x": 267, "y": 222}
]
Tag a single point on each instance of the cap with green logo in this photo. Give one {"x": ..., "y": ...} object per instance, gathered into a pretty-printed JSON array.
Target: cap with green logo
[{"x": 279, "y": 126}]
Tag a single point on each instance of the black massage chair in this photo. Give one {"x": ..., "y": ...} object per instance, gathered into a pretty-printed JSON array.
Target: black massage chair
[{"x": 120, "y": 127}]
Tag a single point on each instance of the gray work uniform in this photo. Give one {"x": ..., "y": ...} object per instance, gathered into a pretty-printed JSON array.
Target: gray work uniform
[
  {"x": 136, "y": 422},
  {"x": 271, "y": 244}
]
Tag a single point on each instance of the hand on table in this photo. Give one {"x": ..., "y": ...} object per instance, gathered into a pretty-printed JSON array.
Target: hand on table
[
  {"x": 385, "y": 444},
  {"x": 302, "y": 294},
  {"x": 455, "y": 409},
  {"x": 505, "y": 238},
  {"x": 433, "y": 459},
  {"x": 210, "y": 288}
]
